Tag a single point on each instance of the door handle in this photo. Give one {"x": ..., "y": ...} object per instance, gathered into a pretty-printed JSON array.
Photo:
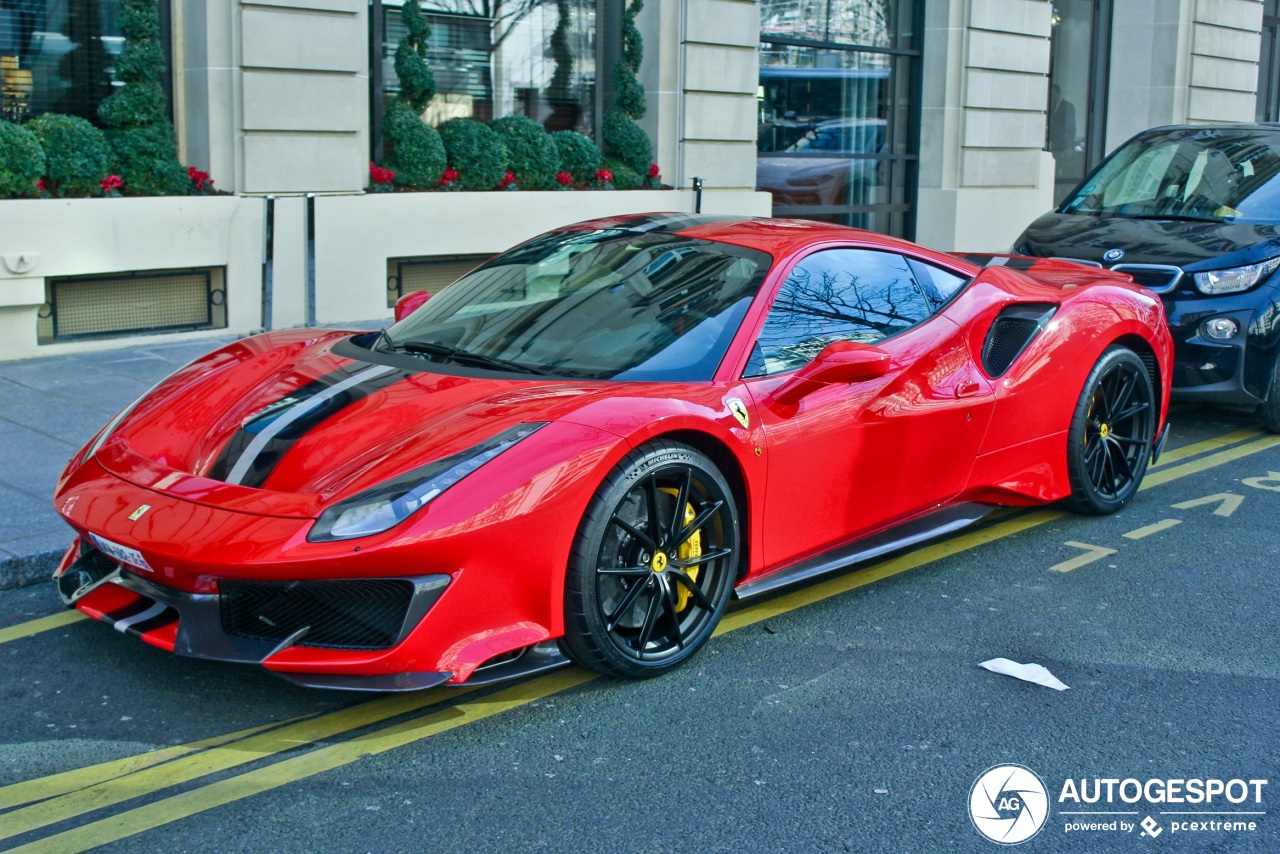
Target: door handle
[{"x": 968, "y": 389}]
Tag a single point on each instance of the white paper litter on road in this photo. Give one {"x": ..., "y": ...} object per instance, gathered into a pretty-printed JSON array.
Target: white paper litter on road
[{"x": 1026, "y": 672}]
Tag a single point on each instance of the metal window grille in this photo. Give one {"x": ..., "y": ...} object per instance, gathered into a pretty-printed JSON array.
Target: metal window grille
[
  {"x": 406, "y": 275},
  {"x": 132, "y": 303}
]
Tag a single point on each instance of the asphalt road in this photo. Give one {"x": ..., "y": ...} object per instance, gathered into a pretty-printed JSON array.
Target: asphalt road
[{"x": 848, "y": 715}]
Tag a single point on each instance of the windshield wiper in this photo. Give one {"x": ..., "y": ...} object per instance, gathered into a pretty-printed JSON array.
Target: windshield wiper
[
  {"x": 463, "y": 357},
  {"x": 383, "y": 335},
  {"x": 1179, "y": 217}
]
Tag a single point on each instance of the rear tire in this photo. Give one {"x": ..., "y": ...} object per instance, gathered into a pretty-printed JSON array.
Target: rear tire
[
  {"x": 653, "y": 564},
  {"x": 1112, "y": 430}
]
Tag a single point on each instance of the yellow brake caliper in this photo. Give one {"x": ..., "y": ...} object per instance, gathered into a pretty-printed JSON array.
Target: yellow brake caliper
[{"x": 690, "y": 548}]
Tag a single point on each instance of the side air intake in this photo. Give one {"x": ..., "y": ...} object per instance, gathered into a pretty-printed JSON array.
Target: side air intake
[{"x": 1015, "y": 328}]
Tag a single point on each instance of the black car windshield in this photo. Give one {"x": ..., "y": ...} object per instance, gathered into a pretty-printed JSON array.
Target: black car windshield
[
  {"x": 1212, "y": 174},
  {"x": 600, "y": 304}
]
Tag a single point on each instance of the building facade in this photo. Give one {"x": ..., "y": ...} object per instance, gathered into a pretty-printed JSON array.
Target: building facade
[{"x": 951, "y": 122}]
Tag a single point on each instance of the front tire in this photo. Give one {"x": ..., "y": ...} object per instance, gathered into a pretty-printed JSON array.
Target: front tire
[
  {"x": 653, "y": 564},
  {"x": 1270, "y": 408},
  {"x": 1112, "y": 429}
]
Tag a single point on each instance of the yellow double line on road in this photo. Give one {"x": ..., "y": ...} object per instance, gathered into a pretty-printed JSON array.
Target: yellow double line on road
[{"x": 79, "y": 792}]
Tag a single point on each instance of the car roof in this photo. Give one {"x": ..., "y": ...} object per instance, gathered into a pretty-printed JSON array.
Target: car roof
[{"x": 777, "y": 237}]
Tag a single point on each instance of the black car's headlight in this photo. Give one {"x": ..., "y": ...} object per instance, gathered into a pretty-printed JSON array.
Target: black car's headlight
[
  {"x": 1235, "y": 279},
  {"x": 379, "y": 508}
]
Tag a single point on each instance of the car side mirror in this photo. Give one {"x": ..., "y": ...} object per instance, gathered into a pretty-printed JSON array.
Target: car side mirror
[
  {"x": 409, "y": 303},
  {"x": 839, "y": 362}
]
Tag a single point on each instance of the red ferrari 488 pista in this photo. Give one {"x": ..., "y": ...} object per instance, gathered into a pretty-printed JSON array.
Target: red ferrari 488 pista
[{"x": 588, "y": 445}]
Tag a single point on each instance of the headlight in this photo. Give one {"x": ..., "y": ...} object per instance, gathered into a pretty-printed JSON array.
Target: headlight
[
  {"x": 1236, "y": 278},
  {"x": 375, "y": 510}
]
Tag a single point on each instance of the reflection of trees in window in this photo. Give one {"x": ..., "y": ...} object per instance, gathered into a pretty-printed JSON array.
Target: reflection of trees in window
[
  {"x": 862, "y": 22},
  {"x": 855, "y": 297},
  {"x": 502, "y": 57}
]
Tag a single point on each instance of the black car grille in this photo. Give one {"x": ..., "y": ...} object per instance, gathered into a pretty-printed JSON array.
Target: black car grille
[
  {"x": 1158, "y": 277},
  {"x": 362, "y": 614}
]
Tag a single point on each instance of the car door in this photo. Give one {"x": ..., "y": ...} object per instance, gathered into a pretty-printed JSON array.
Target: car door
[{"x": 849, "y": 459}]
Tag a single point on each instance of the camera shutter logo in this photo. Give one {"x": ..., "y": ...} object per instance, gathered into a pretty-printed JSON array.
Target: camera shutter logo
[{"x": 1008, "y": 804}]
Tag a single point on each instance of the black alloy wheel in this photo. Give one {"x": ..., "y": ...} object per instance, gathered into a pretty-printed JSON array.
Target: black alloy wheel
[
  {"x": 1112, "y": 430},
  {"x": 653, "y": 565}
]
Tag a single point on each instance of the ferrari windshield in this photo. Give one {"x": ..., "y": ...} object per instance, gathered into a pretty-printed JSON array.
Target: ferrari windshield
[
  {"x": 1212, "y": 174},
  {"x": 601, "y": 304}
]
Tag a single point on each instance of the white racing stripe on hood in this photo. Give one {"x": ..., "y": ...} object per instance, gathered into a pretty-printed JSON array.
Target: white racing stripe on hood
[{"x": 269, "y": 432}]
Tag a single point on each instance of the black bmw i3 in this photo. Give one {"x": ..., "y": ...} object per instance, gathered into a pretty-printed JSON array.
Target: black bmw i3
[{"x": 1192, "y": 212}]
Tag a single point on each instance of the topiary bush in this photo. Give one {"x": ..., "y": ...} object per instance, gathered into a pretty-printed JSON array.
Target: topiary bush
[
  {"x": 532, "y": 154},
  {"x": 144, "y": 159},
  {"x": 624, "y": 177},
  {"x": 75, "y": 153},
  {"x": 21, "y": 161},
  {"x": 579, "y": 156},
  {"x": 623, "y": 138},
  {"x": 625, "y": 141},
  {"x": 415, "y": 151},
  {"x": 476, "y": 152},
  {"x": 144, "y": 149}
]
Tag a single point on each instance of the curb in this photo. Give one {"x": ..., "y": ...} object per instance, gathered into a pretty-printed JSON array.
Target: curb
[{"x": 29, "y": 569}]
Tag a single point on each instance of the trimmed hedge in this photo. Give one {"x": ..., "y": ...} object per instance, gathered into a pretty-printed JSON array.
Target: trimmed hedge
[
  {"x": 21, "y": 161},
  {"x": 76, "y": 154},
  {"x": 579, "y": 156},
  {"x": 532, "y": 154},
  {"x": 476, "y": 151}
]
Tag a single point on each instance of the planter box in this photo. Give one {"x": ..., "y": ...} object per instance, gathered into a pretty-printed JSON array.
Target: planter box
[{"x": 51, "y": 238}]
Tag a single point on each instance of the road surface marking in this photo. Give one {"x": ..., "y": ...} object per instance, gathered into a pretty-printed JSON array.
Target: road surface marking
[
  {"x": 43, "y": 624},
  {"x": 1091, "y": 554},
  {"x": 1228, "y": 503},
  {"x": 1173, "y": 455},
  {"x": 1162, "y": 525}
]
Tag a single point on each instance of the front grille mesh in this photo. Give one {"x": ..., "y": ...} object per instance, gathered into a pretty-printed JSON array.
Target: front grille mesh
[{"x": 361, "y": 614}]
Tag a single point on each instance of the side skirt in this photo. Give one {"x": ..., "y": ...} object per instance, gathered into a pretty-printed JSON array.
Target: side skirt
[{"x": 908, "y": 534}]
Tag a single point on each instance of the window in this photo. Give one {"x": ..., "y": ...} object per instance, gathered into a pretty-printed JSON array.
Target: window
[
  {"x": 846, "y": 295},
  {"x": 836, "y": 123},
  {"x": 58, "y": 56},
  {"x": 494, "y": 58}
]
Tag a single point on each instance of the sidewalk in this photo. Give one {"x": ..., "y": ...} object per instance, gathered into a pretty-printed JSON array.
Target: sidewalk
[{"x": 49, "y": 407}]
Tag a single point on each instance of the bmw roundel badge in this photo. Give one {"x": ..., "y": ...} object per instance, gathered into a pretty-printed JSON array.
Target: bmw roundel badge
[{"x": 1112, "y": 255}]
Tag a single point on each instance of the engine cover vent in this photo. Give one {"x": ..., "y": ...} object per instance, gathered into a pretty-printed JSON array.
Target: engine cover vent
[{"x": 1010, "y": 334}]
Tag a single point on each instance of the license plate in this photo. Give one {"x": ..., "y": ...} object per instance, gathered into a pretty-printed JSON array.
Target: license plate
[{"x": 124, "y": 554}]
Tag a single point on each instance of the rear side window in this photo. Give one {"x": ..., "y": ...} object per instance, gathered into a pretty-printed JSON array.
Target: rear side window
[{"x": 845, "y": 295}]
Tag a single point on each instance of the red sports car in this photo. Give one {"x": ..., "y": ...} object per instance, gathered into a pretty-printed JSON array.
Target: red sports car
[{"x": 589, "y": 444}]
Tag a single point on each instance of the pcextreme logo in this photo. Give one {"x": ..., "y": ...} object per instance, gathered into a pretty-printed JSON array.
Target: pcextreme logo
[{"x": 1009, "y": 804}]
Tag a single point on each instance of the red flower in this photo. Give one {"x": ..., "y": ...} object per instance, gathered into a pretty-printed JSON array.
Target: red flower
[
  {"x": 450, "y": 176},
  {"x": 199, "y": 180},
  {"x": 111, "y": 183},
  {"x": 40, "y": 185},
  {"x": 379, "y": 175},
  {"x": 564, "y": 179},
  {"x": 604, "y": 176},
  {"x": 507, "y": 180},
  {"x": 653, "y": 170}
]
